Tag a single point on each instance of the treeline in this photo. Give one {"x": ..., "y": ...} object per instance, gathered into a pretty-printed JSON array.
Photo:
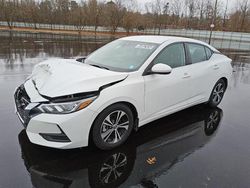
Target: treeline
[{"x": 157, "y": 15}]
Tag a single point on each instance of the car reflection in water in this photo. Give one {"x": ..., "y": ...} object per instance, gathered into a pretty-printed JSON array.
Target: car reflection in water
[{"x": 152, "y": 151}]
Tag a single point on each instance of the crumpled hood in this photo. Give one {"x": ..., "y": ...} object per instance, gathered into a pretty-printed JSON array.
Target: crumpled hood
[{"x": 60, "y": 77}]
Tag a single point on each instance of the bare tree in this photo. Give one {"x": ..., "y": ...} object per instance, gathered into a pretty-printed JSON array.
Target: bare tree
[
  {"x": 157, "y": 9},
  {"x": 197, "y": 14},
  {"x": 47, "y": 12},
  {"x": 244, "y": 7},
  {"x": 79, "y": 17},
  {"x": 114, "y": 12},
  {"x": 9, "y": 11},
  {"x": 129, "y": 21},
  {"x": 62, "y": 11},
  {"x": 191, "y": 8},
  {"x": 225, "y": 16},
  {"x": 176, "y": 7},
  {"x": 93, "y": 12},
  {"x": 31, "y": 12}
]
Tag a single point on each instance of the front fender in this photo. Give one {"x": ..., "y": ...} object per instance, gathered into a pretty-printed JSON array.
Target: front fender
[{"x": 130, "y": 91}]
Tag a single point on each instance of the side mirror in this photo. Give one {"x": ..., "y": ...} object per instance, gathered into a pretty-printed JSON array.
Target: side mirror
[
  {"x": 81, "y": 59},
  {"x": 161, "y": 68}
]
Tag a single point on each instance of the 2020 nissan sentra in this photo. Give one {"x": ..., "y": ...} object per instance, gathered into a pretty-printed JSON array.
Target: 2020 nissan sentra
[{"x": 118, "y": 88}]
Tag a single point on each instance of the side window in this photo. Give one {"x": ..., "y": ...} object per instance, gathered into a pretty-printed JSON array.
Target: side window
[
  {"x": 197, "y": 52},
  {"x": 173, "y": 55},
  {"x": 208, "y": 52}
]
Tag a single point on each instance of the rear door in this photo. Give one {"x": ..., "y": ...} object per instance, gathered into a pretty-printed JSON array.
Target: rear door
[{"x": 202, "y": 71}]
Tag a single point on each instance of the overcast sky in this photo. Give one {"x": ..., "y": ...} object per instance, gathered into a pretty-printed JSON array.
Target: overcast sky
[
  {"x": 231, "y": 3},
  {"x": 141, "y": 3}
]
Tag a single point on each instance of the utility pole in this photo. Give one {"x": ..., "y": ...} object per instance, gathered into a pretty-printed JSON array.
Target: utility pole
[{"x": 213, "y": 20}]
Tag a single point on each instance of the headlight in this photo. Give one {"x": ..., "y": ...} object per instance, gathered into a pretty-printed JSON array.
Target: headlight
[{"x": 65, "y": 108}]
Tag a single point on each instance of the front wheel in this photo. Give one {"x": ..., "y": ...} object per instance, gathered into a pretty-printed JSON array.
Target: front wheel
[
  {"x": 112, "y": 127},
  {"x": 217, "y": 93}
]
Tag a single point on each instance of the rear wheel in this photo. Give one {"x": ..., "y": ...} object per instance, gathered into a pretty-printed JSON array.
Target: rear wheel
[
  {"x": 217, "y": 93},
  {"x": 113, "y": 126}
]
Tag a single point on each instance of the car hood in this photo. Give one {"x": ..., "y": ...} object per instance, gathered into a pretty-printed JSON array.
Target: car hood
[{"x": 60, "y": 77}]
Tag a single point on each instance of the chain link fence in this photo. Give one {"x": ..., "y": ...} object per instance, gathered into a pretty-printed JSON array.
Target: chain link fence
[{"x": 220, "y": 39}]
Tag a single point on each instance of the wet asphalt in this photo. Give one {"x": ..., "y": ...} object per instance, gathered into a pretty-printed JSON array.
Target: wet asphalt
[{"x": 197, "y": 147}]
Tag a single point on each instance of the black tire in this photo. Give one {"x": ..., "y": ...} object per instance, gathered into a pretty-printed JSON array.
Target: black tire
[
  {"x": 108, "y": 127},
  {"x": 217, "y": 93}
]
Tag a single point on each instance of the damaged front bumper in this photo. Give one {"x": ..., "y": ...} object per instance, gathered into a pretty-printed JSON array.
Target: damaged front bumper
[
  {"x": 24, "y": 108},
  {"x": 51, "y": 130}
]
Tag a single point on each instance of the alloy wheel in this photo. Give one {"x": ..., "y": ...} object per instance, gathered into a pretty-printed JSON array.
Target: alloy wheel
[
  {"x": 218, "y": 93},
  {"x": 114, "y": 127}
]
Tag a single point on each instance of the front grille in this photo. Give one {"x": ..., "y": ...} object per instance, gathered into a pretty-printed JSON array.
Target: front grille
[{"x": 22, "y": 100}]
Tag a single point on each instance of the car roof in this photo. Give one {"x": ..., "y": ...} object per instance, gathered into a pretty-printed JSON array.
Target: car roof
[
  {"x": 150, "y": 38},
  {"x": 161, "y": 39}
]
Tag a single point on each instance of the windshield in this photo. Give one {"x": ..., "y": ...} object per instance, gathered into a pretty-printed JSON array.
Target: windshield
[{"x": 122, "y": 55}]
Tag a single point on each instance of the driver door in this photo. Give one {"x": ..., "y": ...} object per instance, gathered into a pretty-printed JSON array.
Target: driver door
[{"x": 165, "y": 93}]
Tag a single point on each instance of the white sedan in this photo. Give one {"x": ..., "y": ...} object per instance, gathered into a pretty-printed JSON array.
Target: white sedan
[{"x": 117, "y": 89}]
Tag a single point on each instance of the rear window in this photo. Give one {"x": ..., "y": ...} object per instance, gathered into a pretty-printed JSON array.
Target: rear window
[{"x": 197, "y": 52}]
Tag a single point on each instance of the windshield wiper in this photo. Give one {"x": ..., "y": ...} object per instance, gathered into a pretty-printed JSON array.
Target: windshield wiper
[{"x": 101, "y": 67}]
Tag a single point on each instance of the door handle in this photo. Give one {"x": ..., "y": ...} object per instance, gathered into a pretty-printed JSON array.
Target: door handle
[
  {"x": 186, "y": 75},
  {"x": 215, "y": 67}
]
